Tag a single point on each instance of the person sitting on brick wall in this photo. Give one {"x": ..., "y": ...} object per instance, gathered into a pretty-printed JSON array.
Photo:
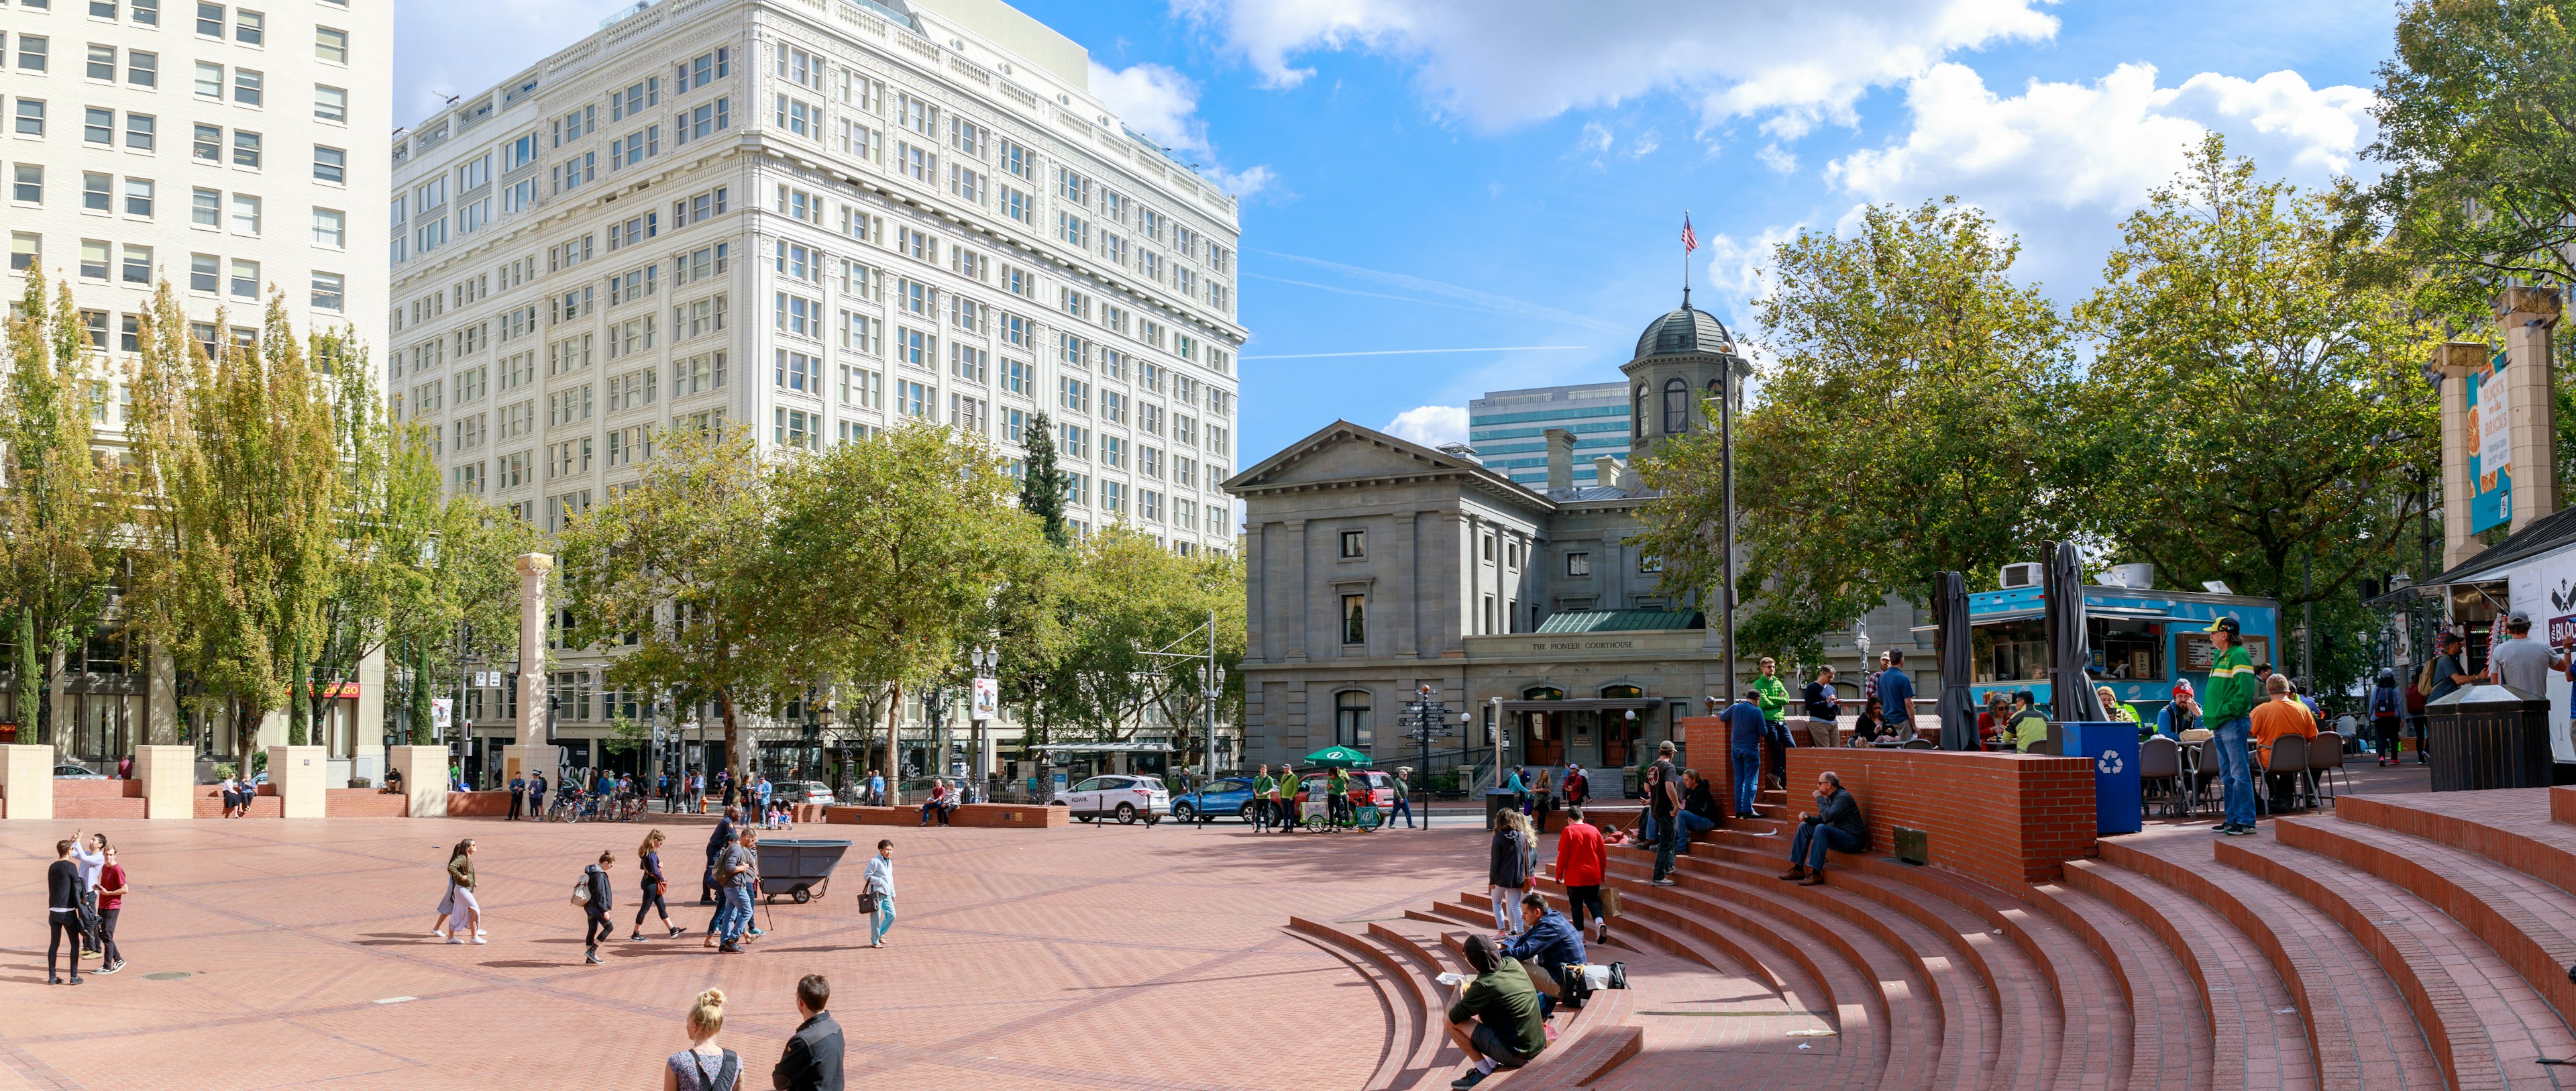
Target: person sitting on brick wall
[{"x": 1836, "y": 825}]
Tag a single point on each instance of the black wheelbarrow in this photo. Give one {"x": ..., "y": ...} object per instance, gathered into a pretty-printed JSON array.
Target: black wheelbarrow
[{"x": 798, "y": 868}]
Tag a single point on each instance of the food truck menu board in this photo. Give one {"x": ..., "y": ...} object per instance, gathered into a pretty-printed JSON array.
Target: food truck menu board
[{"x": 2199, "y": 651}]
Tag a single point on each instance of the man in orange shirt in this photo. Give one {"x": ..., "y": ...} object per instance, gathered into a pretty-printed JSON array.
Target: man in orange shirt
[{"x": 2281, "y": 714}]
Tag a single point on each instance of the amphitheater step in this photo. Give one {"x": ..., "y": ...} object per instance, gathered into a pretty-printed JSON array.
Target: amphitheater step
[
  {"x": 2512, "y": 826},
  {"x": 2483, "y": 1021},
  {"x": 1399, "y": 992},
  {"x": 2169, "y": 1049},
  {"x": 1699, "y": 940},
  {"x": 2253, "y": 1045},
  {"x": 2356, "y": 1017}
]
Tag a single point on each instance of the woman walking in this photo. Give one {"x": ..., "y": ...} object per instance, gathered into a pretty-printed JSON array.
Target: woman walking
[
  {"x": 1507, "y": 868},
  {"x": 2387, "y": 710},
  {"x": 595, "y": 906},
  {"x": 878, "y": 894},
  {"x": 648, "y": 858},
  {"x": 465, "y": 917},
  {"x": 111, "y": 898},
  {"x": 704, "y": 1066}
]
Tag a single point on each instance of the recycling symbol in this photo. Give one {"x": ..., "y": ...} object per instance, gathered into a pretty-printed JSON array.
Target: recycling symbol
[{"x": 2109, "y": 763}]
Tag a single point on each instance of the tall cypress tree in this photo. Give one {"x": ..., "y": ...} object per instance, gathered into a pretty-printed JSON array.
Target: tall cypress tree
[{"x": 1042, "y": 488}]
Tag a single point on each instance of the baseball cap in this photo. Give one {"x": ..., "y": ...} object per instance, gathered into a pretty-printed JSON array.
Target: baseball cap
[
  {"x": 2227, "y": 623},
  {"x": 2451, "y": 638}
]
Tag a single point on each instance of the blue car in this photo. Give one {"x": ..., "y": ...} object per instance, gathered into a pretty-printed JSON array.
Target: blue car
[{"x": 1224, "y": 796}]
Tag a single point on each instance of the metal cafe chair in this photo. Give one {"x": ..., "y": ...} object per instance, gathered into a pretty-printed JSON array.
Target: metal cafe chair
[
  {"x": 2324, "y": 761},
  {"x": 2288, "y": 756},
  {"x": 2160, "y": 766}
]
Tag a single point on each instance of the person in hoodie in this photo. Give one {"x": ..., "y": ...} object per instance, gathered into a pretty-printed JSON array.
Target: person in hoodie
[
  {"x": 1507, "y": 868},
  {"x": 597, "y": 930}
]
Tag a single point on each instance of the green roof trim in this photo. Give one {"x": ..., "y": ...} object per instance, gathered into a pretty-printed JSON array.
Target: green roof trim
[{"x": 1617, "y": 621}]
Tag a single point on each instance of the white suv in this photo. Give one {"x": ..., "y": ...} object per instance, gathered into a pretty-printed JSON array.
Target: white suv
[{"x": 1123, "y": 796}]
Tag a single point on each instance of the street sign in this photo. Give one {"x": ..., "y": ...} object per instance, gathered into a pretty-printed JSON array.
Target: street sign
[{"x": 988, "y": 698}]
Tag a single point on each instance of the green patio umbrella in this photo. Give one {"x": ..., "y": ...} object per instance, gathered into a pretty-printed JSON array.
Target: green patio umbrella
[{"x": 1338, "y": 757}]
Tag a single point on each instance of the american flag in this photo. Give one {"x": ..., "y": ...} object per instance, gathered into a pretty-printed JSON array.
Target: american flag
[{"x": 1690, "y": 238}]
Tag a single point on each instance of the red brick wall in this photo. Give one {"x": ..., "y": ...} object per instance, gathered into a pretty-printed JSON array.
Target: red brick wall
[
  {"x": 96, "y": 789},
  {"x": 364, "y": 803},
  {"x": 478, "y": 804},
  {"x": 2005, "y": 818},
  {"x": 97, "y": 806}
]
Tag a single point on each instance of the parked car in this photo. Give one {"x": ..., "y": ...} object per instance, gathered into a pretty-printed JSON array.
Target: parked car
[
  {"x": 1381, "y": 786},
  {"x": 803, "y": 791},
  {"x": 69, "y": 771},
  {"x": 1123, "y": 796},
  {"x": 1223, "y": 796}
]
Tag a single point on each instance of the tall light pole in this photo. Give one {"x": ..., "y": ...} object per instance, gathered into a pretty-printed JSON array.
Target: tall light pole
[{"x": 987, "y": 701}]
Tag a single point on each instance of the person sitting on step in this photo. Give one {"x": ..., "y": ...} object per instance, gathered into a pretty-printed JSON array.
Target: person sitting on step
[
  {"x": 1546, "y": 945},
  {"x": 1494, "y": 1017},
  {"x": 1836, "y": 825}
]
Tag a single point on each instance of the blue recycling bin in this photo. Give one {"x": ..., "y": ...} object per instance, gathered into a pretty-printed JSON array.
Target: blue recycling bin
[{"x": 2118, "y": 806}]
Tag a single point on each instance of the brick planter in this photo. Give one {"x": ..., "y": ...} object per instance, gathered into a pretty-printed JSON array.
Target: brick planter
[
  {"x": 364, "y": 803},
  {"x": 479, "y": 804}
]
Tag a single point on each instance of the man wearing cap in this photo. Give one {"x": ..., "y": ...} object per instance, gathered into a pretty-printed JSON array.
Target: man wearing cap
[
  {"x": 2229, "y": 715},
  {"x": 2522, "y": 662}
]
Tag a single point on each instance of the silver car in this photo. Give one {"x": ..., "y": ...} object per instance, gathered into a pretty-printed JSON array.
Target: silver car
[{"x": 803, "y": 791}]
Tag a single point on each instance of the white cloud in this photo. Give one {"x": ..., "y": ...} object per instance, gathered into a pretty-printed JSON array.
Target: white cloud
[
  {"x": 1779, "y": 159},
  {"x": 1431, "y": 425},
  {"x": 1163, "y": 104},
  {"x": 1501, "y": 62}
]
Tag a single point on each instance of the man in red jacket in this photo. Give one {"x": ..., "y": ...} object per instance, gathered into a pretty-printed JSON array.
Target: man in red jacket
[{"x": 1581, "y": 862}]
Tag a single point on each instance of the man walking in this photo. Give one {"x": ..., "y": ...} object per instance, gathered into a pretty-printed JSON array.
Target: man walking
[
  {"x": 1744, "y": 730},
  {"x": 812, "y": 1061},
  {"x": 2229, "y": 714},
  {"x": 1403, "y": 797},
  {"x": 1896, "y": 698},
  {"x": 715, "y": 849}
]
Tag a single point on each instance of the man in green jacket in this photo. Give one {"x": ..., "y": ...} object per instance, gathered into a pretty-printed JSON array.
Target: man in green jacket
[
  {"x": 2228, "y": 711},
  {"x": 2028, "y": 726},
  {"x": 1263, "y": 790},
  {"x": 1771, "y": 695}
]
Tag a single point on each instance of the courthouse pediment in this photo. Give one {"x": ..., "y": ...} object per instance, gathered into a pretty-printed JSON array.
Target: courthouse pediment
[{"x": 1343, "y": 454}]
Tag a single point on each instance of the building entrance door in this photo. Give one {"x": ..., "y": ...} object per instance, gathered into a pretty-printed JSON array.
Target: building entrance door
[{"x": 1543, "y": 738}]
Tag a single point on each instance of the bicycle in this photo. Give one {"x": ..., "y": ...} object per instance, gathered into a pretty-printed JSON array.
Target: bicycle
[{"x": 568, "y": 806}]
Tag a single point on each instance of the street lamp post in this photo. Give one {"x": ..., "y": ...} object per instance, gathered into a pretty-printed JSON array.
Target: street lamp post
[{"x": 985, "y": 704}]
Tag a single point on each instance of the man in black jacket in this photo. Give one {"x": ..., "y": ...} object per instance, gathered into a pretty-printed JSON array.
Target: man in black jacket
[
  {"x": 595, "y": 929},
  {"x": 813, "y": 1058},
  {"x": 62, "y": 910},
  {"x": 715, "y": 847},
  {"x": 1835, "y": 825}
]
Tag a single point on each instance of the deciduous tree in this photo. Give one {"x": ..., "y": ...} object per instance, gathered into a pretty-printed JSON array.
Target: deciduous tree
[{"x": 61, "y": 512}]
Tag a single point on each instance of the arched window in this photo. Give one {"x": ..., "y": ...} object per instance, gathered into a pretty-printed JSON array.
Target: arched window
[
  {"x": 1637, "y": 419},
  {"x": 1716, "y": 389},
  {"x": 1542, "y": 693},
  {"x": 1676, "y": 406},
  {"x": 1351, "y": 718},
  {"x": 1621, "y": 693}
]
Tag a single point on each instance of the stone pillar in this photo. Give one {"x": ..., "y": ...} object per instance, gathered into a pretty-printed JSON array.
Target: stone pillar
[
  {"x": 27, "y": 780},
  {"x": 1301, "y": 593},
  {"x": 2457, "y": 360},
  {"x": 169, "y": 776},
  {"x": 161, "y": 700},
  {"x": 367, "y": 753},
  {"x": 300, "y": 774},
  {"x": 533, "y": 721},
  {"x": 424, "y": 778},
  {"x": 530, "y": 759},
  {"x": 2525, "y": 317}
]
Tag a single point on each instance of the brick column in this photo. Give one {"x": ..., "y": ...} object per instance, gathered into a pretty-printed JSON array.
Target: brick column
[
  {"x": 424, "y": 776},
  {"x": 2457, "y": 360},
  {"x": 299, "y": 774},
  {"x": 27, "y": 780},
  {"x": 169, "y": 776},
  {"x": 2525, "y": 317}
]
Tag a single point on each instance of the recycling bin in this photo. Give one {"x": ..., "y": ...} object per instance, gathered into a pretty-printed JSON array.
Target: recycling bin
[{"x": 2119, "y": 805}]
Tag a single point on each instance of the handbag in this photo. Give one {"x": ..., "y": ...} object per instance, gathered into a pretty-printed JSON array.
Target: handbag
[
  {"x": 869, "y": 900},
  {"x": 1609, "y": 901}
]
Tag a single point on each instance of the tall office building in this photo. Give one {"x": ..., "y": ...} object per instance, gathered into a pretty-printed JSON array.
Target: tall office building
[
  {"x": 219, "y": 147},
  {"x": 818, "y": 218},
  {"x": 1508, "y": 429}
]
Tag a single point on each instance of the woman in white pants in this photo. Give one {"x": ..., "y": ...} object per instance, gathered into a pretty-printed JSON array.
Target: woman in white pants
[{"x": 465, "y": 915}]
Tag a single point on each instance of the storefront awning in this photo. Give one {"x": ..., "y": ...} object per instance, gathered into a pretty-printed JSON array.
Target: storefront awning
[
  {"x": 2106, "y": 613},
  {"x": 1587, "y": 704}
]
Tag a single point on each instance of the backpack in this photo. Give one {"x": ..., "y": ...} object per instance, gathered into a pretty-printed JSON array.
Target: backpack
[
  {"x": 581, "y": 890},
  {"x": 2424, "y": 680}
]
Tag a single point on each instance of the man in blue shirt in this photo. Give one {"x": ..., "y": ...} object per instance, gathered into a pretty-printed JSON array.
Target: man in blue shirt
[
  {"x": 1547, "y": 944},
  {"x": 1896, "y": 698},
  {"x": 1745, "y": 730}
]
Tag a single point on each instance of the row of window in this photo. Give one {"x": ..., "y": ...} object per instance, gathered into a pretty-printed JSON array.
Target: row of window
[{"x": 142, "y": 133}]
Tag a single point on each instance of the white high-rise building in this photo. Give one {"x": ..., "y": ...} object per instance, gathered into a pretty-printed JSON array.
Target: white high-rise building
[
  {"x": 819, "y": 218},
  {"x": 220, "y": 147}
]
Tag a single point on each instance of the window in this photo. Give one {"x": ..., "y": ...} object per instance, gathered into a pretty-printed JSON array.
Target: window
[
  {"x": 862, "y": 333},
  {"x": 26, "y": 250},
  {"x": 862, "y": 388},
  {"x": 797, "y": 204},
  {"x": 250, "y": 27},
  {"x": 705, "y": 120},
  {"x": 1018, "y": 206},
  {"x": 138, "y": 197},
  {"x": 706, "y": 68},
  {"x": 800, "y": 117},
  {"x": 245, "y": 149},
  {"x": 330, "y": 165},
  {"x": 1578, "y": 565},
  {"x": 914, "y": 400},
  {"x": 916, "y": 162},
  {"x": 1676, "y": 406},
  {"x": 210, "y": 81},
  {"x": 137, "y": 266},
  {"x": 142, "y": 132},
  {"x": 859, "y": 141},
  {"x": 142, "y": 69},
  {"x": 968, "y": 414},
  {"x": 246, "y": 214},
  {"x": 102, "y": 63},
  {"x": 330, "y": 46},
  {"x": 635, "y": 147},
  {"x": 205, "y": 273},
  {"x": 245, "y": 279},
  {"x": 208, "y": 144},
  {"x": 249, "y": 88},
  {"x": 210, "y": 20},
  {"x": 799, "y": 372},
  {"x": 515, "y": 154},
  {"x": 797, "y": 428},
  {"x": 98, "y": 127},
  {"x": 31, "y": 117},
  {"x": 329, "y": 291},
  {"x": 798, "y": 315},
  {"x": 1355, "y": 620},
  {"x": 331, "y": 104},
  {"x": 1074, "y": 440},
  {"x": 32, "y": 52},
  {"x": 1354, "y": 543},
  {"x": 96, "y": 195}
]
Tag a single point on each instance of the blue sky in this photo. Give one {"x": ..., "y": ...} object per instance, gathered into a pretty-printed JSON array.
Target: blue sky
[{"x": 1511, "y": 174}]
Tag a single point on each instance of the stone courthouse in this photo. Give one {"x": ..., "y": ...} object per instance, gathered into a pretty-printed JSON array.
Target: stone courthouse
[{"x": 1377, "y": 565}]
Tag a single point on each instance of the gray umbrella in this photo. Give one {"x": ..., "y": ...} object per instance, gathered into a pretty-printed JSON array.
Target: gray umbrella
[
  {"x": 2067, "y": 655},
  {"x": 1950, "y": 622}
]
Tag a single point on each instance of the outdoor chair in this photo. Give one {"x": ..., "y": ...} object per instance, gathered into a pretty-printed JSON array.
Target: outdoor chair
[
  {"x": 2288, "y": 756},
  {"x": 2160, "y": 766},
  {"x": 1919, "y": 744},
  {"x": 2200, "y": 772},
  {"x": 2324, "y": 761}
]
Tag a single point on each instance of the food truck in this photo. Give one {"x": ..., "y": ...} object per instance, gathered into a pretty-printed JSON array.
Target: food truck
[
  {"x": 2534, "y": 572},
  {"x": 2141, "y": 640}
]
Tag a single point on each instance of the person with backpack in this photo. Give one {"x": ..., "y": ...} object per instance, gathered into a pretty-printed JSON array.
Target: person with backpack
[
  {"x": 2387, "y": 711},
  {"x": 592, "y": 895},
  {"x": 537, "y": 796},
  {"x": 705, "y": 1065}
]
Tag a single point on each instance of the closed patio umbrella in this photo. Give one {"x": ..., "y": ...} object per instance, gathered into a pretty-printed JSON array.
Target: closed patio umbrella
[
  {"x": 2073, "y": 698},
  {"x": 1950, "y": 621}
]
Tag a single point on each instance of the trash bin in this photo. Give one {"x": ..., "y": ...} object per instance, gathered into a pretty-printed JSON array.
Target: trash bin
[
  {"x": 2118, "y": 805},
  {"x": 1496, "y": 802},
  {"x": 2489, "y": 736}
]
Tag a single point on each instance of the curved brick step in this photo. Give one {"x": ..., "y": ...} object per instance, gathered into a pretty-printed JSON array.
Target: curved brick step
[
  {"x": 2530, "y": 923},
  {"x": 1398, "y": 992},
  {"x": 1755, "y": 957},
  {"x": 2484, "y": 1023},
  {"x": 2513, "y": 827},
  {"x": 2251, "y": 1046},
  {"x": 2169, "y": 1050},
  {"x": 1597, "y": 1040},
  {"x": 2052, "y": 971},
  {"x": 2358, "y": 1024},
  {"x": 1422, "y": 957},
  {"x": 1924, "y": 1042}
]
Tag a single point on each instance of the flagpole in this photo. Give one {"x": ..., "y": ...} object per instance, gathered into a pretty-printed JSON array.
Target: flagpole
[{"x": 1686, "y": 253}]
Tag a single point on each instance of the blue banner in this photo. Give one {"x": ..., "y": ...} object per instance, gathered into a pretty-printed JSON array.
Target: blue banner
[{"x": 2491, "y": 498}]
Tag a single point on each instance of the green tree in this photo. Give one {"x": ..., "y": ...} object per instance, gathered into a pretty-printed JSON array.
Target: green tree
[
  {"x": 1905, "y": 428},
  {"x": 2477, "y": 128},
  {"x": 1042, "y": 482},
  {"x": 472, "y": 581},
  {"x": 60, "y": 512},
  {"x": 678, "y": 567},
  {"x": 2249, "y": 412},
  {"x": 905, "y": 546},
  {"x": 243, "y": 496}
]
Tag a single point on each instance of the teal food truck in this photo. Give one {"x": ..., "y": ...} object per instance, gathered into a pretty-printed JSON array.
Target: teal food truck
[{"x": 2141, "y": 641}]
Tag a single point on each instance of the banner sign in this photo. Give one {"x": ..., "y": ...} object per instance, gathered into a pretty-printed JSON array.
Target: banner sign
[
  {"x": 2490, "y": 448},
  {"x": 988, "y": 698}
]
